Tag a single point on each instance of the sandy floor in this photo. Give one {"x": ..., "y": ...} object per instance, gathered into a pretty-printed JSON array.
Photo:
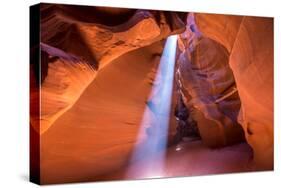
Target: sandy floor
[{"x": 191, "y": 158}]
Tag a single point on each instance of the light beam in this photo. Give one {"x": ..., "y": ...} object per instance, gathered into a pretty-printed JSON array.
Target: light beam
[{"x": 148, "y": 157}]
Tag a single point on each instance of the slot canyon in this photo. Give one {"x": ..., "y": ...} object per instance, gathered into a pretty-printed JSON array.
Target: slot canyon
[{"x": 133, "y": 94}]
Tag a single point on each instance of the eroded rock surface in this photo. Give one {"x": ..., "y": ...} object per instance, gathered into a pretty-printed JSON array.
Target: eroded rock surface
[
  {"x": 98, "y": 134},
  {"x": 249, "y": 41},
  {"x": 78, "y": 42},
  {"x": 97, "y": 74},
  {"x": 204, "y": 77}
]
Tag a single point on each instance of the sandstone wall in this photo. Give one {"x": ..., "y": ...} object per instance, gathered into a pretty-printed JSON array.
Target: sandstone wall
[
  {"x": 249, "y": 41},
  {"x": 77, "y": 42}
]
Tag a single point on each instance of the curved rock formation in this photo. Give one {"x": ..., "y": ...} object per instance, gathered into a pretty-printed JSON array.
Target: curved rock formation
[
  {"x": 98, "y": 67},
  {"x": 204, "y": 77},
  {"x": 221, "y": 28},
  {"x": 97, "y": 135},
  {"x": 249, "y": 40},
  {"x": 76, "y": 47},
  {"x": 66, "y": 79},
  {"x": 63, "y": 29}
]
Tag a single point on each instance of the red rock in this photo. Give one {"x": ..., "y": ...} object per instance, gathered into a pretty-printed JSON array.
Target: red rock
[
  {"x": 82, "y": 46},
  {"x": 205, "y": 76},
  {"x": 249, "y": 41}
]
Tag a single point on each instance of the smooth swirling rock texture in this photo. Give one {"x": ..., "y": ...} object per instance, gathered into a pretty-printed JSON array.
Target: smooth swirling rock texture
[
  {"x": 97, "y": 69},
  {"x": 249, "y": 40},
  {"x": 66, "y": 79},
  {"x": 220, "y": 28},
  {"x": 204, "y": 77},
  {"x": 97, "y": 135},
  {"x": 77, "y": 42}
]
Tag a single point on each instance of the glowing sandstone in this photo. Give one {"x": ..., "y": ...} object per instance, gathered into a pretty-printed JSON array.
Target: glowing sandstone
[
  {"x": 204, "y": 77},
  {"x": 94, "y": 44},
  {"x": 249, "y": 41},
  {"x": 96, "y": 78}
]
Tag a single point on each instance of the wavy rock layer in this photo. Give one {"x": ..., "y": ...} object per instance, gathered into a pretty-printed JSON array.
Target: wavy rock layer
[
  {"x": 101, "y": 43},
  {"x": 67, "y": 78},
  {"x": 75, "y": 47},
  {"x": 204, "y": 78},
  {"x": 249, "y": 41},
  {"x": 97, "y": 73},
  {"x": 97, "y": 135}
]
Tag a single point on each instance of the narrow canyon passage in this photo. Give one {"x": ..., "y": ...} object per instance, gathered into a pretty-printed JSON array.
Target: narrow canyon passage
[
  {"x": 122, "y": 94},
  {"x": 97, "y": 138}
]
